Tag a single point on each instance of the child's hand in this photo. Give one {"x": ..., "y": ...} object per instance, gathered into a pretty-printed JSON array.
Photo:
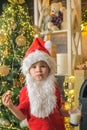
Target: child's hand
[
  {"x": 6, "y": 99},
  {"x": 64, "y": 112}
]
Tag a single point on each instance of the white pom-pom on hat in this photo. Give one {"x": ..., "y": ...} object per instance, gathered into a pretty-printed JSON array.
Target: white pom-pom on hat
[{"x": 48, "y": 44}]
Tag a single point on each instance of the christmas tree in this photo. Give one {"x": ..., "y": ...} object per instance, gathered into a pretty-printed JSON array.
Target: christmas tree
[{"x": 16, "y": 35}]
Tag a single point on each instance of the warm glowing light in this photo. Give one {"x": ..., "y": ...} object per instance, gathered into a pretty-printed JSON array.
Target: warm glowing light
[{"x": 84, "y": 27}]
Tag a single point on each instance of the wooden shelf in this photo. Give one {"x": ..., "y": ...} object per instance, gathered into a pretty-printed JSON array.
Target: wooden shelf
[
  {"x": 54, "y": 32},
  {"x": 68, "y": 41}
]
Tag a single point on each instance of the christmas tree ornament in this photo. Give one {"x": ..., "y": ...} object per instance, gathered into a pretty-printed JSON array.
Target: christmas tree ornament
[
  {"x": 5, "y": 53},
  {"x": 4, "y": 70},
  {"x": 20, "y": 40},
  {"x": 3, "y": 38}
]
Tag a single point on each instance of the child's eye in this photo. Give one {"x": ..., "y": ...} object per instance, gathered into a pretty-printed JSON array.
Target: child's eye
[
  {"x": 33, "y": 66},
  {"x": 43, "y": 66}
]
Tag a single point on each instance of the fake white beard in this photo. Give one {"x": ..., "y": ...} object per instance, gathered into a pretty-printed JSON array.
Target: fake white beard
[{"x": 41, "y": 95}]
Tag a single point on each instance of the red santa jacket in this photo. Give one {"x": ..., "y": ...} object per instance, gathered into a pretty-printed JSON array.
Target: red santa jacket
[{"x": 54, "y": 122}]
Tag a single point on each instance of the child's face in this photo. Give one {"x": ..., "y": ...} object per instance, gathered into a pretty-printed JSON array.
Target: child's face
[{"x": 39, "y": 71}]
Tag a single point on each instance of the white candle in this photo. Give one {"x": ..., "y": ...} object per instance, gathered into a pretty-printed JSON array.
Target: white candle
[{"x": 62, "y": 64}]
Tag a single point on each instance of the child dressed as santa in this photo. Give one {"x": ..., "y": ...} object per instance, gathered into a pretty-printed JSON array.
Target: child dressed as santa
[{"x": 40, "y": 98}]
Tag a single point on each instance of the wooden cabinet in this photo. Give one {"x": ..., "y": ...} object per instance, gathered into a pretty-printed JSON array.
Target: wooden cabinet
[{"x": 68, "y": 40}]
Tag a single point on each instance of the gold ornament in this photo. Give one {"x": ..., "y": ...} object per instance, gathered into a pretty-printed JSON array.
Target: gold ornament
[
  {"x": 16, "y": 1},
  {"x": 3, "y": 37},
  {"x": 5, "y": 53},
  {"x": 4, "y": 70},
  {"x": 21, "y": 40}
]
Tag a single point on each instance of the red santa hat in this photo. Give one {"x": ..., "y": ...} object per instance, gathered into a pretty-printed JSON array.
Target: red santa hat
[{"x": 37, "y": 52}]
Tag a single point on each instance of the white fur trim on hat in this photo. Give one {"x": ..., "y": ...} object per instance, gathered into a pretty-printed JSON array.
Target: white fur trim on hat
[{"x": 35, "y": 57}]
